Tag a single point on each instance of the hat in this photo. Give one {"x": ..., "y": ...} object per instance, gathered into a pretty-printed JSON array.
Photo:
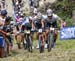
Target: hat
[
  {"x": 3, "y": 12},
  {"x": 8, "y": 19}
]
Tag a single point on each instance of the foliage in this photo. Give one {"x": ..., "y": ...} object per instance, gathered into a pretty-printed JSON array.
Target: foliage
[{"x": 64, "y": 10}]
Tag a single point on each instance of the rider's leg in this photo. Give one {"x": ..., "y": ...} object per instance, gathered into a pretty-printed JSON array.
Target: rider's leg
[
  {"x": 37, "y": 37},
  {"x": 55, "y": 37},
  {"x": 46, "y": 37},
  {"x": 19, "y": 40},
  {"x": 32, "y": 36},
  {"x": 25, "y": 42},
  {"x": 22, "y": 37},
  {"x": 44, "y": 34},
  {"x": 43, "y": 39}
]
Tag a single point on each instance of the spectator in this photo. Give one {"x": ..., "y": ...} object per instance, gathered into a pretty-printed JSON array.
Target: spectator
[
  {"x": 32, "y": 3},
  {"x": 63, "y": 23},
  {"x": 2, "y": 34},
  {"x": 3, "y": 3},
  {"x": 3, "y": 16},
  {"x": 7, "y": 28}
]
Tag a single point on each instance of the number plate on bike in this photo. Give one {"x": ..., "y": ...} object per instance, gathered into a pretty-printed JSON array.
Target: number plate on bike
[
  {"x": 18, "y": 32},
  {"x": 40, "y": 30},
  {"x": 27, "y": 31},
  {"x": 52, "y": 29}
]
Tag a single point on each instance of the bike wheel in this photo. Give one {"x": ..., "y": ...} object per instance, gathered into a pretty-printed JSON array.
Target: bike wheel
[
  {"x": 30, "y": 45},
  {"x": 52, "y": 39},
  {"x": 49, "y": 42},
  {"x": 41, "y": 47},
  {"x": 24, "y": 44}
]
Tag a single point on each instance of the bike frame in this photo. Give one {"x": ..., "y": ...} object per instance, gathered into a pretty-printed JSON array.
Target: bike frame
[
  {"x": 51, "y": 38},
  {"x": 28, "y": 41}
]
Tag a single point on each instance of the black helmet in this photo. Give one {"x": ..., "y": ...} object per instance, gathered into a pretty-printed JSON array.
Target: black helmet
[
  {"x": 3, "y": 12},
  {"x": 8, "y": 19}
]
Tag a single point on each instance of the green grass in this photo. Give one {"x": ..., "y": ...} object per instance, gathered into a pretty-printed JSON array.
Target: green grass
[{"x": 65, "y": 44}]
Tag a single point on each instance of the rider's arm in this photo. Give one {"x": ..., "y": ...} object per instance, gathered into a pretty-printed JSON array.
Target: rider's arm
[
  {"x": 33, "y": 27},
  {"x": 42, "y": 23},
  {"x": 59, "y": 20}
]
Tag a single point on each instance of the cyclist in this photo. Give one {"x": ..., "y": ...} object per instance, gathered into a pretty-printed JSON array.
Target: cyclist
[
  {"x": 38, "y": 22},
  {"x": 63, "y": 23},
  {"x": 32, "y": 29},
  {"x": 8, "y": 29},
  {"x": 18, "y": 35},
  {"x": 51, "y": 20},
  {"x": 26, "y": 25}
]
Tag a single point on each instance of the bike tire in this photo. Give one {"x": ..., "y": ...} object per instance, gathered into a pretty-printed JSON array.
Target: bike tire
[
  {"x": 41, "y": 48},
  {"x": 49, "y": 42},
  {"x": 30, "y": 45},
  {"x": 24, "y": 44},
  {"x": 52, "y": 39}
]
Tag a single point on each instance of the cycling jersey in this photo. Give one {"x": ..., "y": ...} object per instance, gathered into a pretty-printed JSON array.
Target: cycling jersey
[
  {"x": 26, "y": 24},
  {"x": 37, "y": 23},
  {"x": 52, "y": 21}
]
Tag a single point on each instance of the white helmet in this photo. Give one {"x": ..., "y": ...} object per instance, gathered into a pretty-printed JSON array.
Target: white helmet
[
  {"x": 30, "y": 18},
  {"x": 39, "y": 15},
  {"x": 49, "y": 12},
  {"x": 35, "y": 11}
]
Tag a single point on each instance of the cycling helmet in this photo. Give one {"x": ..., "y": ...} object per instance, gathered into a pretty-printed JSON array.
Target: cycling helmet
[
  {"x": 49, "y": 12},
  {"x": 3, "y": 12},
  {"x": 30, "y": 18},
  {"x": 39, "y": 15},
  {"x": 35, "y": 11}
]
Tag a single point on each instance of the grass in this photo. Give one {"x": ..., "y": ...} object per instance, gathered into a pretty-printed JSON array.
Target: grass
[
  {"x": 65, "y": 44},
  {"x": 64, "y": 51}
]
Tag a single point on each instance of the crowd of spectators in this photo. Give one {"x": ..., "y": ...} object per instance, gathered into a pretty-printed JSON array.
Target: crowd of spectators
[{"x": 2, "y": 4}]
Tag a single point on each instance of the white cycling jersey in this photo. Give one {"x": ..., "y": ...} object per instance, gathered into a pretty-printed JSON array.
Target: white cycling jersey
[{"x": 54, "y": 17}]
